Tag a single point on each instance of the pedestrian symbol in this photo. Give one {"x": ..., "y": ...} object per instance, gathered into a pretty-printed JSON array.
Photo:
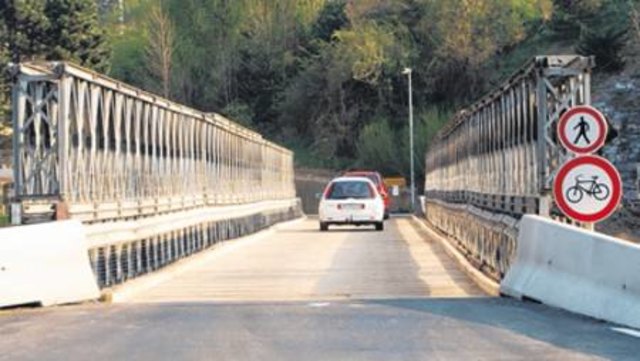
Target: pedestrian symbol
[{"x": 582, "y": 129}]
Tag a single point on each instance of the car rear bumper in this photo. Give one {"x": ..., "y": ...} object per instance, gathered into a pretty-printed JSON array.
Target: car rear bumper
[{"x": 351, "y": 219}]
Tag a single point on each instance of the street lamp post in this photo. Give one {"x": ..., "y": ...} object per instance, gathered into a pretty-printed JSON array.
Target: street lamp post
[{"x": 408, "y": 72}]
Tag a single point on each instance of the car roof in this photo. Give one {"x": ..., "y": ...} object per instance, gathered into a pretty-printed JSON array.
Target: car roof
[
  {"x": 351, "y": 178},
  {"x": 361, "y": 172}
]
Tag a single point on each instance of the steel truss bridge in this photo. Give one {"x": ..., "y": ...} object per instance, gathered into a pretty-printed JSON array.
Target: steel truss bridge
[
  {"x": 154, "y": 180},
  {"x": 495, "y": 161}
]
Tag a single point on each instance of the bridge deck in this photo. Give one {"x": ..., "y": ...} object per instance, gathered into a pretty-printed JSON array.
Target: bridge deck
[
  {"x": 359, "y": 273},
  {"x": 297, "y": 262}
]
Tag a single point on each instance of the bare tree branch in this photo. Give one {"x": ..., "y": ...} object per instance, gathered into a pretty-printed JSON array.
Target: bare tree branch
[{"x": 159, "y": 51}]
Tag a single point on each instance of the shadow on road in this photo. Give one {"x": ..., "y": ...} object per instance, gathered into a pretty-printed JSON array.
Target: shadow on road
[{"x": 535, "y": 321}]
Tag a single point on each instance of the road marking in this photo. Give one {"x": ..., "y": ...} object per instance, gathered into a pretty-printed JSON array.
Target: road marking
[
  {"x": 627, "y": 331},
  {"x": 319, "y": 304}
]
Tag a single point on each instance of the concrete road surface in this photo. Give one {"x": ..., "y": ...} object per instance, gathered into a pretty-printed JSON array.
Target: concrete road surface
[
  {"x": 297, "y": 262},
  {"x": 298, "y": 294}
]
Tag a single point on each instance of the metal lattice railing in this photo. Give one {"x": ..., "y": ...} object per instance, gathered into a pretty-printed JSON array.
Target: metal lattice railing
[
  {"x": 101, "y": 150},
  {"x": 120, "y": 251},
  {"x": 498, "y": 157},
  {"x": 501, "y": 153}
]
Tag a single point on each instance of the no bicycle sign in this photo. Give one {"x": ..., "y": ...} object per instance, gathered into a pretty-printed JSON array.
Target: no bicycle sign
[{"x": 588, "y": 188}]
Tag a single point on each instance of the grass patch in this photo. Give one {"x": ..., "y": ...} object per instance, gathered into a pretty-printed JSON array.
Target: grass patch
[
  {"x": 306, "y": 156},
  {"x": 543, "y": 41},
  {"x": 4, "y": 220}
]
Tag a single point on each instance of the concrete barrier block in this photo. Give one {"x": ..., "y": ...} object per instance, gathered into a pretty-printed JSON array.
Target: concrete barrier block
[
  {"x": 577, "y": 270},
  {"x": 45, "y": 263}
]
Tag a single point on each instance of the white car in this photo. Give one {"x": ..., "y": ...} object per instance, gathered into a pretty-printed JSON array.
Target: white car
[{"x": 351, "y": 200}]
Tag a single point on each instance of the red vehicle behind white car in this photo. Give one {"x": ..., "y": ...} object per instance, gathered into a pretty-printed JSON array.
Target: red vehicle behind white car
[{"x": 376, "y": 178}]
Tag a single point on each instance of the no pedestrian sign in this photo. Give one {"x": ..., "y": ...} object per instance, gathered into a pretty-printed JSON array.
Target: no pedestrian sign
[
  {"x": 588, "y": 188},
  {"x": 582, "y": 129}
]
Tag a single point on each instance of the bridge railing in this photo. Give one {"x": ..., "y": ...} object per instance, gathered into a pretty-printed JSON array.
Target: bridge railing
[
  {"x": 100, "y": 149},
  {"x": 495, "y": 160}
]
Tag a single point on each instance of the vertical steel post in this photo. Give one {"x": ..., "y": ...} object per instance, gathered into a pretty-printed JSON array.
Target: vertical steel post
[
  {"x": 17, "y": 117},
  {"x": 408, "y": 72},
  {"x": 541, "y": 143},
  {"x": 64, "y": 98}
]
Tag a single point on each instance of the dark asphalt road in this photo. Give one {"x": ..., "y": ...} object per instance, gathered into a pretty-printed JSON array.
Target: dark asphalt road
[
  {"x": 411, "y": 329},
  {"x": 392, "y": 295}
]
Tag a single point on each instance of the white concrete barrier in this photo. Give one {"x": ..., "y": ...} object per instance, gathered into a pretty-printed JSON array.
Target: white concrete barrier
[
  {"x": 46, "y": 263},
  {"x": 577, "y": 270}
]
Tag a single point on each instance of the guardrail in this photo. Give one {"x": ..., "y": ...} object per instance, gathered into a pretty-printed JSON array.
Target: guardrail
[
  {"x": 497, "y": 158},
  {"x": 99, "y": 150},
  {"x": 152, "y": 181},
  {"x": 124, "y": 250}
]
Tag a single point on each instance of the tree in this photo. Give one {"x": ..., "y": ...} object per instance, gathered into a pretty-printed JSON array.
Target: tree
[
  {"x": 75, "y": 33},
  {"x": 160, "y": 46},
  {"x": 332, "y": 17},
  {"x": 317, "y": 73},
  {"x": 23, "y": 29},
  {"x": 26, "y": 28},
  {"x": 606, "y": 45}
]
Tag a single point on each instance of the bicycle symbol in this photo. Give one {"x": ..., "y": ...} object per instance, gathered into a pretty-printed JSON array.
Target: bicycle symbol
[{"x": 592, "y": 188}]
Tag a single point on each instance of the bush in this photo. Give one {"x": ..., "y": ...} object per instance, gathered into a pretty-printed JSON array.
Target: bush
[
  {"x": 606, "y": 46},
  {"x": 377, "y": 148},
  {"x": 387, "y": 150}
]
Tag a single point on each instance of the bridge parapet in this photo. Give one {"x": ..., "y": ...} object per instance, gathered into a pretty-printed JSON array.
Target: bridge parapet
[
  {"x": 103, "y": 150},
  {"x": 497, "y": 158}
]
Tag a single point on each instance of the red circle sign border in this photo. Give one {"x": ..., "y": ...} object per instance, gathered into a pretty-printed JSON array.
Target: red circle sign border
[
  {"x": 597, "y": 115},
  {"x": 611, "y": 172}
]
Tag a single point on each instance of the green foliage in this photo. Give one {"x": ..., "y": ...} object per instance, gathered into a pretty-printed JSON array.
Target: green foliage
[
  {"x": 606, "y": 46},
  {"x": 239, "y": 112},
  {"x": 324, "y": 76},
  {"x": 331, "y": 18},
  {"x": 27, "y": 26},
  {"x": 458, "y": 36},
  {"x": 128, "y": 56},
  {"x": 386, "y": 149},
  {"x": 378, "y": 149},
  {"x": 4, "y": 84},
  {"x": 75, "y": 34},
  {"x": 50, "y": 30},
  {"x": 54, "y": 30}
]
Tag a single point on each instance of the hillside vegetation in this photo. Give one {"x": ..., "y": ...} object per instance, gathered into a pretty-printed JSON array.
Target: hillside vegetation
[{"x": 324, "y": 77}]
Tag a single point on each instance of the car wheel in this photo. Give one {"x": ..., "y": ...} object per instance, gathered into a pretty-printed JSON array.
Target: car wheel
[
  {"x": 380, "y": 226},
  {"x": 324, "y": 226}
]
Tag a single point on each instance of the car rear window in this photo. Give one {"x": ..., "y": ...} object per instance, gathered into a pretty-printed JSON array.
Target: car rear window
[
  {"x": 373, "y": 176},
  {"x": 350, "y": 189}
]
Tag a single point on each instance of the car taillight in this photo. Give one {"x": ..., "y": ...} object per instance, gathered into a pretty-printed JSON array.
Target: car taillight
[{"x": 327, "y": 191}]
